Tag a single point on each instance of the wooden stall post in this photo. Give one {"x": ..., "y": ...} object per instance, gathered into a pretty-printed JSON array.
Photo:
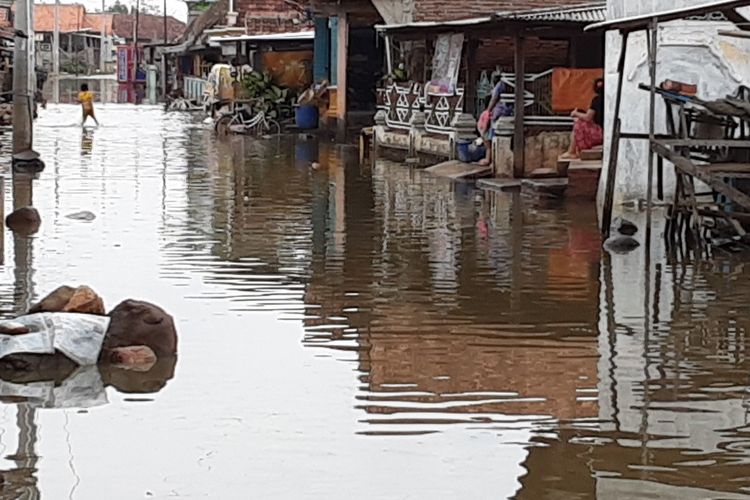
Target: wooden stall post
[
  {"x": 652, "y": 50},
  {"x": 614, "y": 148},
  {"x": 470, "y": 96},
  {"x": 519, "y": 142}
]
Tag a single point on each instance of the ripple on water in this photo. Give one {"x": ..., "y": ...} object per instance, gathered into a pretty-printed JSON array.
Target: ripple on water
[{"x": 452, "y": 327}]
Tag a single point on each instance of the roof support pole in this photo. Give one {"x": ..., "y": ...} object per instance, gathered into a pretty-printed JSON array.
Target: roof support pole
[
  {"x": 23, "y": 88},
  {"x": 614, "y": 146},
  {"x": 342, "y": 42},
  {"x": 519, "y": 142},
  {"x": 470, "y": 97},
  {"x": 653, "y": 43}
]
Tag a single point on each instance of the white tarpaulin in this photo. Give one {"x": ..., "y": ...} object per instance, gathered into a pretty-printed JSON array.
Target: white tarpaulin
[{"x": 77, "y": 336}]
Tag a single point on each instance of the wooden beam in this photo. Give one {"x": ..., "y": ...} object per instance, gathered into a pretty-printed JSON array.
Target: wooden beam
[
  {"x": 519, "y": 142},
  {"x": 738, "y": 19},
  {"x": 614, "y": 147},
  {"x": 735, "y": 34},
  {"x": 653, "y": 51},
  {"x": 718, "y": 143},
  {"x": 688, "y": 167}
]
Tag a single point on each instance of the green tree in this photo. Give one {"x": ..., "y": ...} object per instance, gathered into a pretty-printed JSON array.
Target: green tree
[{"x": 117, "y": 8}]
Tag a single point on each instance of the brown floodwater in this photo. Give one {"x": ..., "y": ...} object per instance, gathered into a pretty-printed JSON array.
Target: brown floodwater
[{"x": 362, "y": 332}]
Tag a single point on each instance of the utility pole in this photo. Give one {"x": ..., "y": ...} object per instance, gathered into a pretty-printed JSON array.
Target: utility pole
[
  {"x": 56, "y": 55},
  {"x": 164, "y": 65},
  {"x": 24, "y": 87},
  {"x": 103, "y": 42},
  {"x": 135, "y": 41}
]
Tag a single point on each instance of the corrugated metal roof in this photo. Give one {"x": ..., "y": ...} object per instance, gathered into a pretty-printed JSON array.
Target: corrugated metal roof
[
  {"x": 595, "y": 12},
  {"x": 641, "y": 22}
]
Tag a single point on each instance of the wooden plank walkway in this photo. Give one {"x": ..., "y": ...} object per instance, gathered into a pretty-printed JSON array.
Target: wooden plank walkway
[
  {"x": 499, "y": 184},
  {"x": 553, "y": 188},
  {"x": 458, "y": 170}
]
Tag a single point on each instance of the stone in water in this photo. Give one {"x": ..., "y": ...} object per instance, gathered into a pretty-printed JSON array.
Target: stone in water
[{"x": 84, "y": 215}]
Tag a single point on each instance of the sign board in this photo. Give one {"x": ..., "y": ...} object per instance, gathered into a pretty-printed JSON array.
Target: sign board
[
  {"x": 126, "y": 65},
  {"x": 122, "y": 64}
]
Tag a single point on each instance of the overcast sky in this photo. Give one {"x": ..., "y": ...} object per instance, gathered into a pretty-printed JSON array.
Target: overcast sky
[{"x": 175, "y": 8}]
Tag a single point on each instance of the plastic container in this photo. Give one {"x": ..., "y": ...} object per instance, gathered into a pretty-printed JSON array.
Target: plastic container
[
  {"x": 462, "y": 150},
  {"x": 306, "y": 117},
  {"x": 467, "y": 152}
]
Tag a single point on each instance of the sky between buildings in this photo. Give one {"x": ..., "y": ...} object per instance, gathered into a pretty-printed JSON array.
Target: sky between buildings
[{"x": 175, "y": 8}]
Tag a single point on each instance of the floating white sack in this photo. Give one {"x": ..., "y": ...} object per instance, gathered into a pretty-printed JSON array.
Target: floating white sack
[{"x": 77, "y": 336}]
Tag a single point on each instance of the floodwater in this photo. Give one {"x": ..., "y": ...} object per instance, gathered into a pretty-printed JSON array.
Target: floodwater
[{"x": 363, "y": 332}]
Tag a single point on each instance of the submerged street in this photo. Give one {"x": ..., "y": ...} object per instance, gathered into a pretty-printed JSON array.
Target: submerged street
[{"x": 363, "y": 332}]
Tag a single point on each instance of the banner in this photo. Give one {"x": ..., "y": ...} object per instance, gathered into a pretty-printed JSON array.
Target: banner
[{"x": 446, "y": 63}]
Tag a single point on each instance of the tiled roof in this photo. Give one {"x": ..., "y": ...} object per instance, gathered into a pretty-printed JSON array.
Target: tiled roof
[
  {"x": 582, "y": 14},
  {"x": 94, "y": 22},
  {"x": 150, "y": 27},
  {"x": 72, "y": 18}
]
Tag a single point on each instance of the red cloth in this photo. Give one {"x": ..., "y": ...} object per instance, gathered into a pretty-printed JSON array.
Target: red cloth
[{"x": 587, "y": 135}]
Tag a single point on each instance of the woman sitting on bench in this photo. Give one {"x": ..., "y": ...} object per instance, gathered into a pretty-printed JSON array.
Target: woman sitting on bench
[{"x": 587, "y": 129}]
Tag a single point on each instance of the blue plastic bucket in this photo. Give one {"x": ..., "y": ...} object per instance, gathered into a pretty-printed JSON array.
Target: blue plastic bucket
[
  {"x": 462, "y": 150},
  {"x": 306, "y": 117},
  {"x": 477, "y": 153}
]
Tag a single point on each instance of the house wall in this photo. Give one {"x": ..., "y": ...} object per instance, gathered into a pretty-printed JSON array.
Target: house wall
[
  {"x": 690, "y": 51},
  {"x": 541, "y": 55},
  {"x": 270, "y": 16}
]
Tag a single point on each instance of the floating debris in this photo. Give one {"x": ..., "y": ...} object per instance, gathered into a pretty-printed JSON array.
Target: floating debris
[{"x": 83, "y": 215}]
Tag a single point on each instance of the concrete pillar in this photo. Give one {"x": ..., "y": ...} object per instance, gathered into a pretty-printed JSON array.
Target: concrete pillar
[
  {"x": 322, "y": 50},
  {"x": 342, "y": 43}
]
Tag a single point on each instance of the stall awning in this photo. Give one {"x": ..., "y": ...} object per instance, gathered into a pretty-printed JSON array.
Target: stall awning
[
  {"x": 437, "y": 25},
  {"x": 565, "y": 19},
  {"x": 294, "y": 36},
  {"x": 593, "y": 12}
]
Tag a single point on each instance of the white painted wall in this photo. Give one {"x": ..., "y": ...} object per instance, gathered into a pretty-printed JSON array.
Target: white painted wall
[{"x": 689, "y": 51}]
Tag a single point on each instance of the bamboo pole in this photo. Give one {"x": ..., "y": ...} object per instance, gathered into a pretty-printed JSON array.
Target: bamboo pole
[
  {"x": 614, "y": 148},
  {"x": 653, "y": 40},
  {"x": 520, "y": 109}
]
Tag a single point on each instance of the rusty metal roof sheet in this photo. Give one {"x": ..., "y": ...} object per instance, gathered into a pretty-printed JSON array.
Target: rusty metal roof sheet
[{"x": 594, "y": 12}]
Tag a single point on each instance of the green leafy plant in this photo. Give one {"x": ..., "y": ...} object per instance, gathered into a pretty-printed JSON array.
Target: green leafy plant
[{"x": 274, "y": 101}]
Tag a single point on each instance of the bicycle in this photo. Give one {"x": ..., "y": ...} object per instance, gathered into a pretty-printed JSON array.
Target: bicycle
[{"x": 241, "y": 121}]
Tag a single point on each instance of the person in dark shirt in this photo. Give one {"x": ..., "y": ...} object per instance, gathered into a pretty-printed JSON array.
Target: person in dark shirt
[{"x": 588, "y": 131}]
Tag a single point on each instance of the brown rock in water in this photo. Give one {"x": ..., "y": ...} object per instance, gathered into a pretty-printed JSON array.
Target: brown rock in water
[
  {"x": 137, "y": 381},
  {"x": 85, "y": 300},
  {"x": 55, "y": 301},
  {"x": 24, "y": 221},
  {"x": 138, "y": 357},
  {"x": 137, "y": 323}
]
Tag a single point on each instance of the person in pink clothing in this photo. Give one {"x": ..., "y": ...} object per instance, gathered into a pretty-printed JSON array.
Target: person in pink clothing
[{"x": 588, "y": 131}]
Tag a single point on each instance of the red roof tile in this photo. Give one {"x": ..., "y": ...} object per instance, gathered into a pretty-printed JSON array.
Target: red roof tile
[{"x": 73, "y": 17}]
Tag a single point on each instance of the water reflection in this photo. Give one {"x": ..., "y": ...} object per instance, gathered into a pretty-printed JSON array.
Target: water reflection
[
  {"x": 462, "y": 343},
  {"x": 87, "y": 142},
  {"x": 56, "y": 384}
]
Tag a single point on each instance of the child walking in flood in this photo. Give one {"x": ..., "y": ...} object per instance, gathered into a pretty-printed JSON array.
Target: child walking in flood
[{"x": 86, "y": 98}]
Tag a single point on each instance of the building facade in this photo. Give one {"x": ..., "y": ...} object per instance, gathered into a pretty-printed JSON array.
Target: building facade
[{"x": 691, "y": 51}]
